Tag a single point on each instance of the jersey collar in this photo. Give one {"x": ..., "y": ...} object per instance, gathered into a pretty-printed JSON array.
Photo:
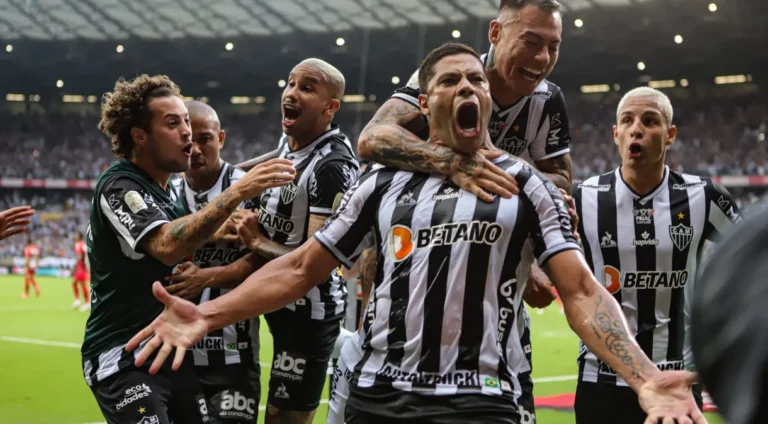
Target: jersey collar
[
  {"x": 311, "y": 146},
  {"x": 655, "y": 192}
]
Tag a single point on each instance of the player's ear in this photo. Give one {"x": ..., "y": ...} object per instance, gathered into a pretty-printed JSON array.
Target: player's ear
[
  {"x": 616, "y": 134},
  {"x": 333, "y": 106},
  {"x": 672, "y": 135},
  {"x": 139, "y": 136},
  {"x": 424, "y": 104},
  {"x": 222, "y": 137},
  {"x": 494, "y": 32}
]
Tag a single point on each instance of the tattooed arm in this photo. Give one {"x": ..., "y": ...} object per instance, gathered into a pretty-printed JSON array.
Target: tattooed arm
[
  {"x": 250, "y": 233},
  {"x": 598, "y": 319},
  {"x": 368, "y": 262},
  {"x": 559, "y": 170}
]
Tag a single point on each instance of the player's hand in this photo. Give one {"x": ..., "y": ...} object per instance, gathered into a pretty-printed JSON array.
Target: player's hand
[
  {"x": 572, "y": 211},
  {"x": 272, "y": 173},
  {"x": 539, "y": 293},
  {"x": 247, "y": 224},
  {"x": 189, "y": 282},
  {"x": 14, "y": 221},
  {"x": 667, "y": 398},
  {"x": 478, "y": 175},
  {"x": 227, "y": 233},
  {"x": 179, "y": 326}
]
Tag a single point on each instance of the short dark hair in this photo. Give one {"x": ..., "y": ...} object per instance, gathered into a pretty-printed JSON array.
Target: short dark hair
[
  {"x": 545, "y": 5},
  {"x": 127, "y": 106},
  {"x": 427, "y": 68}
]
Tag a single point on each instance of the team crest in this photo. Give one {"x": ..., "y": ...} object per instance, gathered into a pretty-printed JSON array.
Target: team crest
[
  {"x": 150, "y": 420},
  {"x": 681, "y": 235},
  {"x": 288, "y": 193},
  {"x": 512, "y": 145}
]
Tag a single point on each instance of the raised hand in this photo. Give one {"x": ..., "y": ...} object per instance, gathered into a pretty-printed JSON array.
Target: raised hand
[
  {"x": 180, "y": 326},
  {"x": 14, "y": 221},
  {"x": 478, "y": 175},
  {"x": 270, "y": 174},
  {"x": 667, "y": 398}
]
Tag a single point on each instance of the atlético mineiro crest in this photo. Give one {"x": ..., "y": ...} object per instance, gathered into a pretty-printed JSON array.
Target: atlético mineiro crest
[
  {"x": 288, "y": 193},
  {"x": 681, "y": 235}
]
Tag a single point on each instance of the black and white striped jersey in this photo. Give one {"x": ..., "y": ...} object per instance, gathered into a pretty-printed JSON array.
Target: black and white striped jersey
[
  {"x": 647, "y": 250},
  {"x": 325, "y": 168},
  {"x": 441, "y": 320},
  {"x": 232, "y": 344},
  {"x": 537, "y": 125}
]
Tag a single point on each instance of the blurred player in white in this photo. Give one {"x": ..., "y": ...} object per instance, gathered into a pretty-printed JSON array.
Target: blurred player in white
[
  {"x": 81, "y": 274},
  {"x": 31, "y": 260}
]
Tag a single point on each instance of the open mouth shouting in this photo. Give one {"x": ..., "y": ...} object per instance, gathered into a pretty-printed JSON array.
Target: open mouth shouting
[
  {"x": 188, "y": 150},
  {"x": 468, "y": 119},
  {"x": 291, "y": 113},
  {"x": 635, "y": 150}
]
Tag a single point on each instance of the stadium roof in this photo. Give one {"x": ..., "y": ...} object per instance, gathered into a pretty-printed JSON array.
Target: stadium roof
[
  {"x": 169, "y": 19},
  {"x": 76, "y": 41}
]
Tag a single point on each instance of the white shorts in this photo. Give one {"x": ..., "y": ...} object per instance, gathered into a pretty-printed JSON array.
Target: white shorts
[{"x": 351, "y": 354}]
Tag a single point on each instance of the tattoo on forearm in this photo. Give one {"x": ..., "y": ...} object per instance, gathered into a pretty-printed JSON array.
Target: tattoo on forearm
[
  {"x": 559, "y": 170},
  {"x": 610, "y": 329},
  {"x": 393, "y": 143}
]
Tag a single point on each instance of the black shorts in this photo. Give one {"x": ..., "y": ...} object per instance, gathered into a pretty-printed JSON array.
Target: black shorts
[
  {"x": 232, "y": 392},
  {"x": 302, "y": 349},
  {"x": 389, "y": 406},
  {"x": 135, "y": 396},
  {"x": 598, "y": 403},
  {"x": 525, "y": 403}
]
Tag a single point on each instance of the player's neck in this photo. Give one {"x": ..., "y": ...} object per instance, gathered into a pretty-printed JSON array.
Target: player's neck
[
  {"x": 643, "y": 180},
  {"x": 159, "y": 176},
  {"x": 502, "y": 94},
  {"x": 204, "y": 182},
  {"x": 298, "y": 143}
]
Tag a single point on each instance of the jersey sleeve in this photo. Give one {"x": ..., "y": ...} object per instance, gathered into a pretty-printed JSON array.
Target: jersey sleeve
[
  {"x": 328, "y": 180},
  {"x": 123, "y": 205},
  {"x": 551, "y": 226},
  {"x": 410, "y": 91},
  {"x": 723, "y": 213},
  {"x": 349, "y": 231},
  {"x": 554, "y": 136}
]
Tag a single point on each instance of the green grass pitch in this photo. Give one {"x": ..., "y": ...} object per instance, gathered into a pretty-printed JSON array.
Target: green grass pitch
[{"x": 42, "y": 381}]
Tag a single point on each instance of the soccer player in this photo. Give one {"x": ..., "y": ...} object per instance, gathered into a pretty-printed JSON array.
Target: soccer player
[
  {"x": 529, "y": 118},
  {"x": 224, "y": 360},
  {"x": 442, "y": 337},
  {"x": 81, "y": 274},
  {"x": 137, "y": 234},
  {"x": 31, "y": 261},
  {"x": 643, "y": 227},
  {"x": 14, "y": 221}
]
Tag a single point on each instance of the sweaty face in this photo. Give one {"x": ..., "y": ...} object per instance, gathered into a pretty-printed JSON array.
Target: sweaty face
[
  {"x": 304, "y": 100},
  {"x": 206, "y": 143},
  {"x": 170, "y": 136},
  {"x": 527, "y": 45},
  {"x": 458, "y": 102},
  {"x": 642, "y": 132}
]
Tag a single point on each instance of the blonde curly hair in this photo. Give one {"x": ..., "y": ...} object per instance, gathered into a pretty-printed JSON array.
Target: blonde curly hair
[{"x": 127, "y": 107}]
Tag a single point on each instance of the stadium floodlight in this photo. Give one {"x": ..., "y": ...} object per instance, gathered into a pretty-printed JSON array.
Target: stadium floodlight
[
  {"x": 761, "y": 137},
  {"x": 260, "y": 100},
  {"x": 240, "y": 100},
  {"x": 59, "y": 83},
  {"x": 119, "y": 48},
  {"x": 640, "y": 66},
  {"x": 92, "y": 99},
  {"x": 12, "y": 97},
  {"x": 456, "y": 33},
  {"x": 9, "y": 48},
  {"x": 229, "y": 46},
  {"x": 616, "y": 87},
  {"x": 683, "y": 82},
  {"x": 372, "y": 98},
  {"x": 679, "y": 39},
  {"x": 579, "y": 23},
  {"x": 281, "y": 83},
  {"x": 712, "y": 7},
  {"x": 340, "y": 41},
  {"x": 395, "y": 80},
  {"x": 596, "y": 88}
]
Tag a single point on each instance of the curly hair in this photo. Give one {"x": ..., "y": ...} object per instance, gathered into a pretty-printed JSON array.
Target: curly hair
[{"x": 127, "y": 107}]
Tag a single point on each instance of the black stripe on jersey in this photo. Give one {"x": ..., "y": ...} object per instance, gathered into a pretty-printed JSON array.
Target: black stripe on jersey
[
  {"x": 183, "y": 193},
  {"x": 607, "y": 225},
  {"x": 646, "y": 299},
  {"x": 437, "y": 277},
  {"x": 579, "y": 212},
  {"x": 474, "y": 292},
  {"x": 679, "y": 208},
  {"x": 216, "y": 356},
  {"x": 286, "y": 209},
  {"x": 399, "y": 288}
]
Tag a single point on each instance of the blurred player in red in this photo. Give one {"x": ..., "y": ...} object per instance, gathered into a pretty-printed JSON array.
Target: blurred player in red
[
  {"x": 82, "y": 274},
  {"x": 31, "y": 259}
]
